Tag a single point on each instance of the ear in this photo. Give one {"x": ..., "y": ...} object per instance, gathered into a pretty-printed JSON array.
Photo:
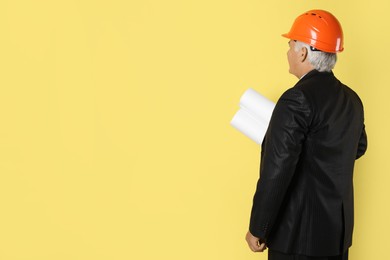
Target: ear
[{"x": 304, "y": 53}]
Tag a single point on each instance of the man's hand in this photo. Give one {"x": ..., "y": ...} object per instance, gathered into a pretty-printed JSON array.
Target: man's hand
[{"x": 254, "y": 243}]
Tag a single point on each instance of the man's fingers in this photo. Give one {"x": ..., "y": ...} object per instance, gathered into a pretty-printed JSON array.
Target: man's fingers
[
  {"x": 257, "y": 247},
  {"x": 262, "y": 247},
  {"x": 254, "y": 243},
  {"x": 254, "y": 246}
]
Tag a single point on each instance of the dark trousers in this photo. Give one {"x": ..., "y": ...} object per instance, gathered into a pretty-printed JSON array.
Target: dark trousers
[{"x": 275, "y": 255}]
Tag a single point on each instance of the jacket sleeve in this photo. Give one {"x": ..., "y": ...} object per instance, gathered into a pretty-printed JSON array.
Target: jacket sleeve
[
  {"x": 280, "y": 153},
  {"x": 362, "y": 146}
]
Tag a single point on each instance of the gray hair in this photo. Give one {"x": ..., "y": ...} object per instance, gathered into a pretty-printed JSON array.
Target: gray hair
[{"x": 321, "y": 61}]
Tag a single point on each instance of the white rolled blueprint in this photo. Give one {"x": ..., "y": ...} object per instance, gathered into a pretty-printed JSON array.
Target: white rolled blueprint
[
  {"x": 253, "y": 117},
  {"x": 258, "y": 105}
]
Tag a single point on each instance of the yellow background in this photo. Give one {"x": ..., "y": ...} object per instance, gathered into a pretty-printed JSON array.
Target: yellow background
[{"x": 115, "y": 140}]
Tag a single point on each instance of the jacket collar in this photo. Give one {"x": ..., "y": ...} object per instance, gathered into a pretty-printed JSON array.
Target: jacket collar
[{"x": 314, "y": 73}]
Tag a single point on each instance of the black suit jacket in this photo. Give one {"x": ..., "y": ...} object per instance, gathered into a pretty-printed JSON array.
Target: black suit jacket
[{"x": 304, "y": 198}]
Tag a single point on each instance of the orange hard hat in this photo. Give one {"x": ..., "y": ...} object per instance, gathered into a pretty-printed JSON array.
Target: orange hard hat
[{"x": 318, "y": 28}]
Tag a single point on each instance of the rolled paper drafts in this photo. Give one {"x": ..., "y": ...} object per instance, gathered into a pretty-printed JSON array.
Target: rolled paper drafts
[{"x": 253, "y": 117}]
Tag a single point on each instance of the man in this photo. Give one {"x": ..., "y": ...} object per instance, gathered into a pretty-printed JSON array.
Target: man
[{"x": 303, "y": 205}]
